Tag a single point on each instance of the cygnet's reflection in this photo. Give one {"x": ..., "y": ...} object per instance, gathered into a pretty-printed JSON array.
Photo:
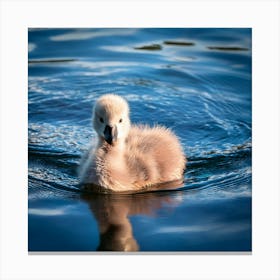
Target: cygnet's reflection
[{"x": 112, "y": 212}]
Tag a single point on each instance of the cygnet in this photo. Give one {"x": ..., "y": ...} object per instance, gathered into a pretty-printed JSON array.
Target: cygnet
[{"x": 128, "y": 158}]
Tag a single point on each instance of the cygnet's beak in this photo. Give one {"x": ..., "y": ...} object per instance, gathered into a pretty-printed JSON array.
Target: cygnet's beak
[{"x": 110, "y": 134}]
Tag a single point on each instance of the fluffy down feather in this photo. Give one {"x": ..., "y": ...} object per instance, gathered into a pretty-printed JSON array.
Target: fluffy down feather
[{"x": 129, "y": 158}]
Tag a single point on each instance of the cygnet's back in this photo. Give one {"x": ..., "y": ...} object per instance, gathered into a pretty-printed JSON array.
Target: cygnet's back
[{"x": 129, "y": 158}]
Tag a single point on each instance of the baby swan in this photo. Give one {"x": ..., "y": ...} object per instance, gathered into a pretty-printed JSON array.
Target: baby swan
[{"x": 128, "y": 158}]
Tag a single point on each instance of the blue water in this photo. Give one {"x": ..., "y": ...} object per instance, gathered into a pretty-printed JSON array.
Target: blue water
[{"x": 201, "y": 90}]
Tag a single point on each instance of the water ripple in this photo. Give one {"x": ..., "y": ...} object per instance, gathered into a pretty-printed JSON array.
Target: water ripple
[
  {"x": 175, "y": 80},
  {"x": 216, "y": 140}
]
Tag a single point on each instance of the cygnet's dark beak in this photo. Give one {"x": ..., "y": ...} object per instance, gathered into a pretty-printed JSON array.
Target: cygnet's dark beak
[{"x": 110, "y": 134}]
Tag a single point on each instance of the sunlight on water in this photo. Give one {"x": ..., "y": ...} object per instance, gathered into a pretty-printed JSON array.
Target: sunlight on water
[{"x": 195, "y": 81}]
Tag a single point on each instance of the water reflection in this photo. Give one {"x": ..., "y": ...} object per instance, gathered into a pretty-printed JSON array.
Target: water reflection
[
  {"x": 112, "y": 211},
  {"x": 197, "y": 79}
]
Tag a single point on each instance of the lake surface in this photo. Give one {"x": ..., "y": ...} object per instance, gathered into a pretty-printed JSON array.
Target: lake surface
[{"x": 195, "y": 81}]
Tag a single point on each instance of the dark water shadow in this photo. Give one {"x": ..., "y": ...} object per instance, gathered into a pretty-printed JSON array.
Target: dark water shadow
[
  {"x": 54, "y": 60},
  {"x": 152, "y": 47},
  {"x": 178, "y": 43}
]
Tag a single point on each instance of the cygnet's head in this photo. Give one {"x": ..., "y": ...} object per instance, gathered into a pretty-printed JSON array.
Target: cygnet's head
[{"x": 111, "y": 118}]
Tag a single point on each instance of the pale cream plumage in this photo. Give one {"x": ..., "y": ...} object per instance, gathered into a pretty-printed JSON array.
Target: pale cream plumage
[{"x": 128, "y": 158}]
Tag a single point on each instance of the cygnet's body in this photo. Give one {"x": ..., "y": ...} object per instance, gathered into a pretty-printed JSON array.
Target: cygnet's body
[{"x": 129, "y": 158}]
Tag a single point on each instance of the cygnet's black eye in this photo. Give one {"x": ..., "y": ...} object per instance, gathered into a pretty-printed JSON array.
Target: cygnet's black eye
[
  {"x": 120, "y": 120},
  {"x": 101, "y": 119}
]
